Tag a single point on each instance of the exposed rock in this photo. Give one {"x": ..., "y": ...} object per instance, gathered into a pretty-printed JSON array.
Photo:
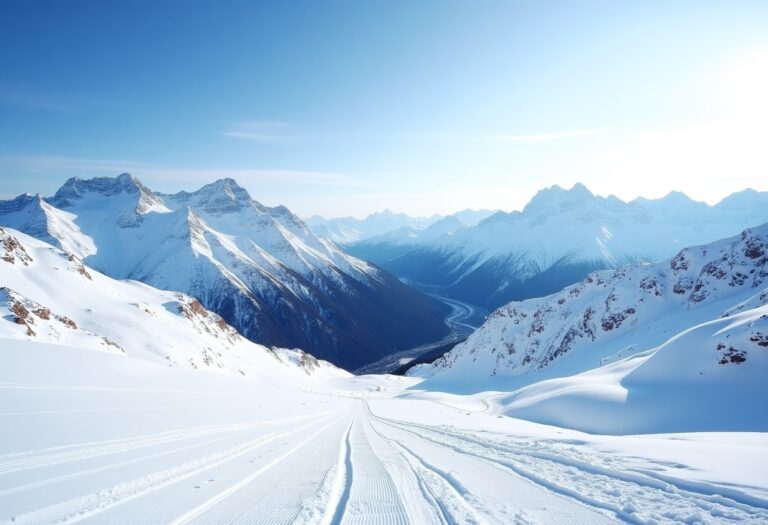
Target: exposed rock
[{"x": 13, "y": 250}]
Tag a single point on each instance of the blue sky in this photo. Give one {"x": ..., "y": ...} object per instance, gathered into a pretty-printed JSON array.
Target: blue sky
[{"x": 344, "y": 108}]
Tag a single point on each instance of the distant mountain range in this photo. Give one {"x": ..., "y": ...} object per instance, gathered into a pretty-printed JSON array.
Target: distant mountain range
[
  {"x": 260, "y": 268},
  {"x": 658, "y": 347},
  {"x": 348, "y": 230},
  {"x": 556, "y": 240}
]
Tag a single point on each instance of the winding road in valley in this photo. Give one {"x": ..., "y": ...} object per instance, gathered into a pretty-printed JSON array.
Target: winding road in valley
[{"x": 459, "y": 320}]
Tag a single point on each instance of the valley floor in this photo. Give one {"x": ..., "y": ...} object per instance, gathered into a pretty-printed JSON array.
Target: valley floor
[{"x": 96, "y": 438}]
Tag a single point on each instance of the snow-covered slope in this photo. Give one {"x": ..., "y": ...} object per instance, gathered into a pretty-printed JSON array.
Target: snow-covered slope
[
  {"x": 613, "y": 314},
  {"x": 49, "y": 297},
  {"x": 559, "y": 237},
  {"x": 709, "y": 377},
  {"x": 260, "y": 268}
]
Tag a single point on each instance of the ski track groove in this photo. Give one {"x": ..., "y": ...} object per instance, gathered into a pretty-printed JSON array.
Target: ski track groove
[
  {"x": 80, "y": 451},
  {"x": 715, "y": 507},
  {"x": 449, "y": 513},
  {"x": 373, "y": 497},
  {"x": 637, "y": 477},
  {"x": 346, "y": 476},
  {"x": 87, "y": 506},
  {"x": 358, "y": 474},
  {"x": 238, "y": 513},
  {"x": 104, "y": 468}
]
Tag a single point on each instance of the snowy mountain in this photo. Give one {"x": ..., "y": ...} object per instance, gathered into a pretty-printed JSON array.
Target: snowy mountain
[
  {"x": 694, "y": 326},
  {"x": 388, "y": 225},
  {"x": 98, "y": 428},
  {"x": 345, "y": 230},
  {"x": 396, "y": 243},
  {"x": 260, "y": 268},
  {"x": 49, "y": 297},
  {"x": 557, "y": 239}
]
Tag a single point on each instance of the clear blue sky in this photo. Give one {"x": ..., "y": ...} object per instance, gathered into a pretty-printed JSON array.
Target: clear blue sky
[{"x": 348, "y": 107}]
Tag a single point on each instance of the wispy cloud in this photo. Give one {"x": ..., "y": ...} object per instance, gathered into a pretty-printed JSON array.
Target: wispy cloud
[
  {"x": 163, "y": 174},
  {"x": 262, "y": 131},
  {"x": 15, "y": 96},
  {"x": 541, "y": 137}
]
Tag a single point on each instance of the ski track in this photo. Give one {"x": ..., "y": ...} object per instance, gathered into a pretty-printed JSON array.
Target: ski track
[
  {"x": 632, "y": 498},
  {"x": 346, "y": 466}
]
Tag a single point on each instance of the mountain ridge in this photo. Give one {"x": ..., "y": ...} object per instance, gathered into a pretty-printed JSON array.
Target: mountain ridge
[
  {"x": 261, "y": 268},
  {"x": 558, "y": 238}
]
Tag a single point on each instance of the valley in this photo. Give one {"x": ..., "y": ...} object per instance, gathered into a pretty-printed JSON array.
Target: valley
[
  {"x": 630, "y": 396},
  {"x": 462, "y": 320},
  {"x": 384, "y": 263}
]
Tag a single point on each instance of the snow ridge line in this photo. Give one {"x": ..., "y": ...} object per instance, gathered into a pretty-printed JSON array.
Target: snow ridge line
[
  {"x": 200, "y": 509},
  {"x": 83, "y": 507},
  {"x": 625, "y": 511}
]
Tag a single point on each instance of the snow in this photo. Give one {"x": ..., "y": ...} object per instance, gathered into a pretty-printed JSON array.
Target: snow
[
  {"x": 560, "y": 228},
  {"x": 682, "y": 385},
  {"x": 122, "y": 403},
  {"x": 398, "y": 228},
  {"x": 576, "y": 224},
  {"x": 127, "y": 440},
  {"x": 611, "y": 315},
  {"x": 259, "y": 267},
  {"x": 65, "y": 303}
]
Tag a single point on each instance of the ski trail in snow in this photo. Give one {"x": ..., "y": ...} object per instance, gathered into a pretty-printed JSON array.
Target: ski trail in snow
[
  {"x": 436, "y": 489},
  {"x": 373, "y": 497},
  {"x": 303, "y": 489},
  {"x": 492, "y": 495},
  {"x": 87, "y": 506},
  {"x": 343, "y": 482},
  {"x": 631, "y": 498},
  {"x": 345, "y": 466},
  {"x": 206, "y": 505}
]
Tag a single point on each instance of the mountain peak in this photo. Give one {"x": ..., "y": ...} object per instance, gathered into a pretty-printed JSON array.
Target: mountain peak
[
  {"x": 557, "y": 198},
  {"x": 677, "y": 196},
  {"x": 743, "y": 201},
  {"x": 75, "y": 187},
  {"x": 20, "y": 202},
  {"x": 221, "y": 196}
]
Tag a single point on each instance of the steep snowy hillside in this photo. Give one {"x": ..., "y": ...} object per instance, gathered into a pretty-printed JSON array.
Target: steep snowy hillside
[
  {"x": 49, "y": 297},
  {"x": 706, "y": 378},
  {"x": 92, "y": 436},
  {"x": 260, "y": 268},
  {"x": 558, "y": 238},
  {"x": 614, "y": 314}
]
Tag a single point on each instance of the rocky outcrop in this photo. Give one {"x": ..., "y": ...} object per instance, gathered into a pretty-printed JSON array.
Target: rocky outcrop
[{"x": 531, "y": 335}]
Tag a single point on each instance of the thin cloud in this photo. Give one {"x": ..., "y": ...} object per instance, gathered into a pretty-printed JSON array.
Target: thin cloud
[
  {"x": 153, "y": 172},
  {"x": 29, "y": 99},
  {"x": 262, "y": 131},
  {"x": 541, "y": 137}
]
